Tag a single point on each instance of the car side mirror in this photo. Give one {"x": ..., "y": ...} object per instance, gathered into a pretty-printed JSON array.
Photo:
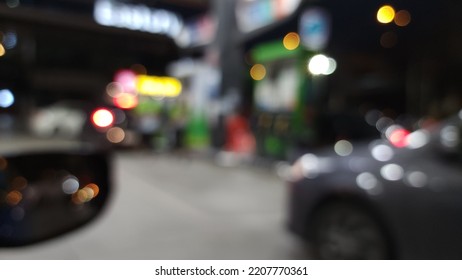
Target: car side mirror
[{"x": 43, "y": 195}]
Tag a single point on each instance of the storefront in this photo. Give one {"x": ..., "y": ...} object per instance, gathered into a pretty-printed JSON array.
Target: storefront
[
  {"x": 277, "y": 69},
  {"x": 349, "y": 75},
  {"x": 279, "y": 90},
  {"x": 199, "y": 101}
]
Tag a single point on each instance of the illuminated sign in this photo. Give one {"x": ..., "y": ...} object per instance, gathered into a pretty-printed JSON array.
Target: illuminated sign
[
  {"x": 158, "y": 86},
  {"x": 315, "y": 28},
  {"x": 137, "y": 17}
]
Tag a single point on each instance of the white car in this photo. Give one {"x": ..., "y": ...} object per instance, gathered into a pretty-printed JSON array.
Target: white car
[{"x": 63, "y": 119}]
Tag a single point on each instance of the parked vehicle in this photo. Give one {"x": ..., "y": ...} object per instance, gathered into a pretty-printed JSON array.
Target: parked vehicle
[
  {"x": 397, "y": 197},
  {"x": 84, "y": 121}
]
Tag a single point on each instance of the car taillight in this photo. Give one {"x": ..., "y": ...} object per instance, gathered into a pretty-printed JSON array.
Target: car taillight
[
  {"x": 102, "y": 118},
  {"x": 397, "y": 136}
]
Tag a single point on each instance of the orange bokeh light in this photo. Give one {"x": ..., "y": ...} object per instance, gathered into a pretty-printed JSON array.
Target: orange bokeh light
[{"x": 126, "y": 101}]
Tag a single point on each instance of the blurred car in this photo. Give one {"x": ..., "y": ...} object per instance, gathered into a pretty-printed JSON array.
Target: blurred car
[
  {"x": 396, "y": 197},
  {"x": 85, "y": 121},
  {"x": 64, "y": 119}
]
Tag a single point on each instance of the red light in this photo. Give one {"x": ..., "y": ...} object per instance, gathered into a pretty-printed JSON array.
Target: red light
[
  {"x": 102, "y": 118},
  {"x": 398, "y": 137}
]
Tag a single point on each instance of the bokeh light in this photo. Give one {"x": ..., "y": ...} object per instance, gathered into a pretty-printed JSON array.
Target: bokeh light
[
  {"x": 416, "y": 179},
  {"x": 89, "y": 193},
  {"x": 258, "y": 72},
  {"x": 418, "y": 139},
  {"x": 2, "y": 50},
  {"x": 383, "y": 123},
  {"x": 402, "y": 18},
  {"x": 318, "y": 64},
  {"x": 126, "y": 101},
  {"x": 322, "y": 65},
  {"x": 114, "y": 89},
  {"x": 13, "y": 198},
  {"x": 332, "y": 66},
  {"x": 291, "y": 41},
  {"x": 382, "y": 152},
  {"x": 392, "y": 172},
  {"x": 10, "y": 40},
  {"x": 397, "y": 136},
  {"x": 366, "y": 181},
  {"x": 94, "y": 188},
  {"x": 115, "y": 135},
  {"x": 18, "y": 183},
  {"x": 386, "y": 14},
  {"x": 449, "y": 136},
  {"x": 102, "y": 118},
  {"x": 310, "y": 166},
  {"x": 85, "y": 194},
  {"x": 127, "y": 79},
  {"x": 6, "y": 98},
  {"x": 373, "y": 116},
  {"x": 389, "y": 39},
  {"x": 343, "y": 148},
  {"x": 70, "y": 185}
]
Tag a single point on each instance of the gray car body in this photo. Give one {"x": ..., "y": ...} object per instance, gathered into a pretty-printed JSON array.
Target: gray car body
[{"x": 422, "y": 219}]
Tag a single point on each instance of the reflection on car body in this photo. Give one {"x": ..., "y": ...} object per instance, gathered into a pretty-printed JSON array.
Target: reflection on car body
[{"x": 398, "y": 197}]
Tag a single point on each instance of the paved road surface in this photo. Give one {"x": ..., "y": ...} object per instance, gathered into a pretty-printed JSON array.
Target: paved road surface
[{"x": 172, "y": 207}]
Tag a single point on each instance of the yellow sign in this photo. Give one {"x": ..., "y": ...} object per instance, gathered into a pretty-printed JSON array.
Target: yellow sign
[{"x": 158, "y": 86}]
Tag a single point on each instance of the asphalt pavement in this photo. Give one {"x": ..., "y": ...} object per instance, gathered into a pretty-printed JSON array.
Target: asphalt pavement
[{"x": 181, "y": 207}]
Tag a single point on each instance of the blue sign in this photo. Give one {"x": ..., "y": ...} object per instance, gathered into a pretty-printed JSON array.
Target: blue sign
[{"x": 315, "y": 28}]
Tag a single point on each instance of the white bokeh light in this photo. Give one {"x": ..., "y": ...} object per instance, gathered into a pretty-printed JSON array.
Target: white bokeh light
[
  {"x": 382, "y": 152},
  {"x": 6, "y": 98},
  {"x": 417, "y": 179},
  {"x": 392, "y": 172},
  {"x": 450, "y": 136},
  {"x": 70, "y": 185},
  {"x": 322, "y": 65},
  {"x": 418, "y": 139},
  {"x": 343, "y": 148},
  {"x": 366, "y": 181}
]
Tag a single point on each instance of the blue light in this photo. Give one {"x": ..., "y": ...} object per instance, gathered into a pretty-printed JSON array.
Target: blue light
[
  {"x": 6, "y": 98},
  {"x": 10, "y": 40}
]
